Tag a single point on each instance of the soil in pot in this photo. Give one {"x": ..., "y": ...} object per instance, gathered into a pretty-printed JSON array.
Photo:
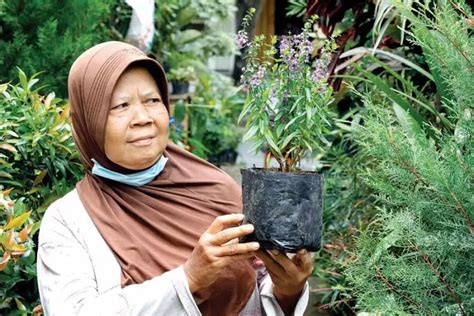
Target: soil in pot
[{"x": 285, "y": 208}]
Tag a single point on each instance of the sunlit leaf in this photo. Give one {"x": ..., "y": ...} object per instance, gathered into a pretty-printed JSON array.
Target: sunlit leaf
[
  {"x": 5, "y": 193},
  {"x": 250, "y": 133},
  {"x": 8, "y": 147},
  {"x": 17, "y": 221},
  {"x": 23, "y": 79},
  {"x": 4, "y": 261},
  {"x": 20, "y": 305},
  {"x": 23, "y": 234}
]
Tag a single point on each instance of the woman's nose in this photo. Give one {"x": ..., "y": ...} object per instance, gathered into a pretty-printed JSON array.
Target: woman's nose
[{"x": 141, "y": 116}]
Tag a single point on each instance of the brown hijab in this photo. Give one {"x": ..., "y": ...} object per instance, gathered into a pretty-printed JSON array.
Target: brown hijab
[{"x": 153, "y": 228}]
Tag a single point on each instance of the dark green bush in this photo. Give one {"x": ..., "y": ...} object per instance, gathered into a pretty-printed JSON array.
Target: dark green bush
[{"x": 48, "y": 35}]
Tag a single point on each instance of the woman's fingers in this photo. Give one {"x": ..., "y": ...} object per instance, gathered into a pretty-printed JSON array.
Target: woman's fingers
[
  {"x": 287, "y": 264},
  {"x": 272, "y": 266},
  {"x": 228, "y": 234},
  {"x": 304, "y": 260},
  {"x": 233, "y": 241},
  {"x": 224, "y": 221},
  {"x": 236, "y": 249},
  {"x": 225, "y": 261}
]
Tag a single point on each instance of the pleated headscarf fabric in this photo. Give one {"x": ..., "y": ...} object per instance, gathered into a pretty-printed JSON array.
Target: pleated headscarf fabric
[{"x": 153, "y": 228}]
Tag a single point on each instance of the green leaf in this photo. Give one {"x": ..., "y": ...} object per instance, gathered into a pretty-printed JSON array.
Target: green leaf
[
  {"x": 250, "y": 133},
  {"x": 407, "y": 122},
  {"x": 383, "y": 86},
  {"x": 248, "y": 104},
  {"x": 291, "y": 122},
  {"x": 3, "y": 87},
  {"x": 288, "y": 139},
  {"x": 20, "y": 306},
  {"x": 269, "y": 138},
  {"x": 23, "y": 79},
  {"x": 295, "y": 104},
  {"x": 17, "y": 221},
  {"x": 364, "y": 50}
]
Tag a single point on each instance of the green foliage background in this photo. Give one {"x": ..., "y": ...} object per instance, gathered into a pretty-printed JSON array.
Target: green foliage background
[
  {"x": 416, "y": 256},
  {"x": 38, "y": 35},
  {"x": 399, "y": 176}
]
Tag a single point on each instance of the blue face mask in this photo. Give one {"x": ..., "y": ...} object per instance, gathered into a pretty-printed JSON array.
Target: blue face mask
[{"x": 134, "y": 179}]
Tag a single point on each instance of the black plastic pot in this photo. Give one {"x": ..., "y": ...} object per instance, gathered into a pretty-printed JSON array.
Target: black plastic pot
[
  {"x": 228, "y": 156},
  {"x": 180, "y": 87},
  {"x": 285, "y": 208}
]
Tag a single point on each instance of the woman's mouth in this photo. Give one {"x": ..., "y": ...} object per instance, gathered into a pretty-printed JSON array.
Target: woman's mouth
[{"x": 143, "y": 141}]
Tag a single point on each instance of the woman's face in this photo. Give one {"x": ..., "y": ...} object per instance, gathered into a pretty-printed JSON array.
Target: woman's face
[{"x": 136, "y": 131}]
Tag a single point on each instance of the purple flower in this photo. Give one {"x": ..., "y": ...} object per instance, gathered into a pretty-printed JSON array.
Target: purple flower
[
  {"x": 320, "y": 71},
  {"x": 305, "y": 47},
  {"x": 293, "y": 64},
  {"x": 285, "y": 46},
  {"x": 242, "y": 39},
  {"x": 295, "y": 49},
  {"x": 257, "y": 77}
]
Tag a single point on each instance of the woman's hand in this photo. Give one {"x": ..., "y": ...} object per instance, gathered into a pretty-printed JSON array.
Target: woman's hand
[
  {"x": 216, "y": 249},
  {"x": 288, "y": 275}
]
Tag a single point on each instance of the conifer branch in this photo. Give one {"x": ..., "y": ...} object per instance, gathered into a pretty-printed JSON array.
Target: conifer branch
[
  {"x": 412, "y": 169},
  {"x": 459, "y": 49},
  {"x": 458, "y": 8},
  {"x": 441, "y": 278},
  {"x": 463, "y": 211},
  {"x": 392, "y": 288}
]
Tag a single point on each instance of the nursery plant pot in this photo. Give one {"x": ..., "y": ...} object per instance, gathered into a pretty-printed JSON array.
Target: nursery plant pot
[
  {"x": 285, "y": 208},
  {"x": 228, "y": 156},
  {"x": 180, "y": 87}
]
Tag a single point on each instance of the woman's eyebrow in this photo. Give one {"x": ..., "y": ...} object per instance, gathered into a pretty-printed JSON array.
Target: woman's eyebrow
[
  {"x": 152, "y": 94},
  {"x": 121, "y": 98}
]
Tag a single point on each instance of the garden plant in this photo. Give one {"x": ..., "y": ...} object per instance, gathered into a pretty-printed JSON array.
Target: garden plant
[
  {"x": 287, "y": 112},
  {"x": 38, "y": 164},
  {"x": 416, "y": 256}
]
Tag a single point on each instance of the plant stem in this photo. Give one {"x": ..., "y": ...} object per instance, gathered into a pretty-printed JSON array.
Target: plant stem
[
  {"x": 441, "y": 278},
  {"x": 392, "y": 288},
  {"x": 412, "y": 169}
]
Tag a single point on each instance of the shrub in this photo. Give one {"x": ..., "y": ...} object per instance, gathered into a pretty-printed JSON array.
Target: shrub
[
  {"x": 38, "y": 159},
  {"x": 417, "y": 255},
  {"x": 48, "y": 35},
  {"x": 17, "y": 257}
]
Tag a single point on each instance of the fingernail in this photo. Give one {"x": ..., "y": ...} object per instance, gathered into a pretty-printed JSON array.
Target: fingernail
[
  {"x": 249, "y": 227},
  {"x": 255, "y": 245},
  {"x": 239, "y": 216}
]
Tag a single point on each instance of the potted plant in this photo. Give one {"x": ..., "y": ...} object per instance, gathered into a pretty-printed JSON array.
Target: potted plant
[
  {"x": 180, "y": 78},
  {"x": 287, "y": 111}
]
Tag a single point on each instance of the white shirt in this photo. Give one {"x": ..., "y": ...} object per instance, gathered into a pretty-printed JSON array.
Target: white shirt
[{"x": 79, "y": 275}]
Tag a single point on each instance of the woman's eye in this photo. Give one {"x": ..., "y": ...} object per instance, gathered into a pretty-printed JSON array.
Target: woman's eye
[
  {"x": 120, "y": 106},
  {"x": 153, "y": 100}
]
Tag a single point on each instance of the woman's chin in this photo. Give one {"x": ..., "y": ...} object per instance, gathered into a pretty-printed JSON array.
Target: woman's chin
[{"x": 143, "y": 162}]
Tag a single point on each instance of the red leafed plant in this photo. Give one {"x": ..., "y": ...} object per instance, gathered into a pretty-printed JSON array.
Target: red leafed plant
[{"x": 17, "y": 258}]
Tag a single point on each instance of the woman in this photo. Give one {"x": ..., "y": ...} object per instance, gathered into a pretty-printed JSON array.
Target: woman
[{"x": 151, "y": 229}]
